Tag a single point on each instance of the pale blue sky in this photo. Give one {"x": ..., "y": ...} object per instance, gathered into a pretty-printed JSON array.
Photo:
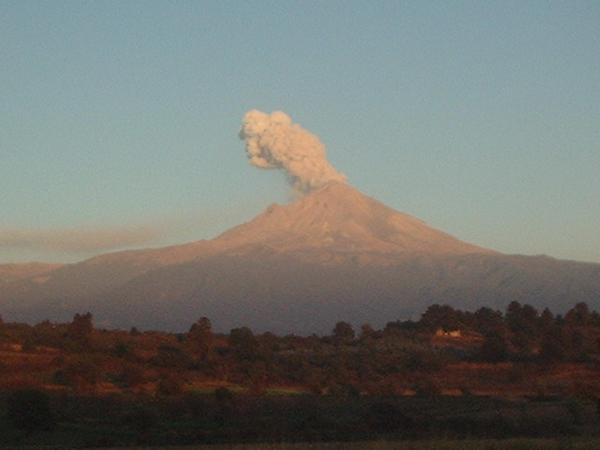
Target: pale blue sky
[{"x": 481, "y": 118}]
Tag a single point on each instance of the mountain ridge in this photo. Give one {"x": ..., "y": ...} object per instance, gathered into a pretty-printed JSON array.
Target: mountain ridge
[
  {"x": 334, "y": 254},
  {"x": 341, "y": 219}
]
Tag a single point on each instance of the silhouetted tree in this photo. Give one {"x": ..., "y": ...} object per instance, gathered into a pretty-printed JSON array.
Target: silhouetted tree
[
  {"x": 579, "y": 315},
  {"x": 486, "y": 319},
  {"x": 366, "y": 331},
  {"x": 522, "y": 319},
  {"x": 201, "y": 337},
  {"x": 47, "y": 334},
  {"x": 495, "y": 346},
  {"x": 552, "y": 347},
  {"x": 441, "y": 316},
  {"x": 80, "y": 330},
  {"x": 343, "y": 332},
  {"x": 523, "y": 322},
  {"x": 546, "y": 320},
  {"x": 574, "y": 340},
  {"x": 243, "y": 343}
]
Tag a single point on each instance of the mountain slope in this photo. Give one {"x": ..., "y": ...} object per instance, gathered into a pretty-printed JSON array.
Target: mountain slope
[
  {"x": 338, "y": 218},
  {"x": 279, "y": 292},
  {"x": 332, "y": 255}
]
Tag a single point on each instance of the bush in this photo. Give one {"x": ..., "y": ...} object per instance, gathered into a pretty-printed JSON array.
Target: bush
[
  {"x": 81, "y": 373},
  {"x": 132, "y": 375},
  {"x": 169, "y": 385},
  {"x": 29, "y": 410},
  {"x": 223, "y": 395}
]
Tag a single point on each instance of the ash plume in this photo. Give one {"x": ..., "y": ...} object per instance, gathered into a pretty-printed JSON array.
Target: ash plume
[{"x": 273, "y": 141}]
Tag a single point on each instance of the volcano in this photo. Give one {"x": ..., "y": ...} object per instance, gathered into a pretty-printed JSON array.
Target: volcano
[
  {"x": 339, "y": 222},
  {"x": 334, "y": 254}
]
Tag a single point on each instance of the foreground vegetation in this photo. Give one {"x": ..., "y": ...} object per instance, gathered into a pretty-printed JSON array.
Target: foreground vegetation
[
  {"x": 451, "y": 375},
  {"x": 465, "y": 444},
  {"x": 438, "y": 444},
  {"x": 190, "y": 419}
]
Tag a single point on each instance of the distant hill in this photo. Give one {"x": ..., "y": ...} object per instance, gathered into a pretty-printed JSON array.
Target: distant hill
[{"x": 334, "y": 254}]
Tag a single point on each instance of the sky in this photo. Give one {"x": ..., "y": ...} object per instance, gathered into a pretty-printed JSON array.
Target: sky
[{"x": 119, "y": 120}]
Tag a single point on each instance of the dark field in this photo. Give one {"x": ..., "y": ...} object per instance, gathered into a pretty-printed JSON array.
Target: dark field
[
  {"x": 467, "y": 444},
  {"x": 197, "y": 418},
  {"x": 451, "y": 378}
]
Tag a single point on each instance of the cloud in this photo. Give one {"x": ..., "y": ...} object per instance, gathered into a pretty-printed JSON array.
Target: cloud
[
  {"x": 82, "y": 241},
  {"x": 273, "y": 141},
  {"x": 78, "y": 240}
]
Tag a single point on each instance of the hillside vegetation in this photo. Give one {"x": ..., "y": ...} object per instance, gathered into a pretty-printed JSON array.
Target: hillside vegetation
[{"x": 492, "y": 374}]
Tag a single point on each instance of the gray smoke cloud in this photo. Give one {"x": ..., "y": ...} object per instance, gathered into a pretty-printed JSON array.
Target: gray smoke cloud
[
  {"x": 273, "y": 141},
  {"x": 71, "y": 244},
  {"x": 77, "y": 240}
]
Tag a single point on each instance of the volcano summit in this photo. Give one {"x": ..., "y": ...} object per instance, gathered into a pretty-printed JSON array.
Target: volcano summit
[
  {"x": 337, "y": 222},
  {"x": 333, "y": 254}
]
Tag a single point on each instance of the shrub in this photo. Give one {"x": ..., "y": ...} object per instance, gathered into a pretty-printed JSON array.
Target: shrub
[
  {"x": 169, "y": 385},
  {"x": 29, "y": 410},
  {"x": 222, "y": 394}
]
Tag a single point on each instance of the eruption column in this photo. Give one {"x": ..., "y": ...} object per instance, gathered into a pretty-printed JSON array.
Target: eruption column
[{"x": 273, "y": 141}]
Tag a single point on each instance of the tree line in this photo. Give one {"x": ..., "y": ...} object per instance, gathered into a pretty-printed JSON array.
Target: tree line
[
  {"x": 65, "y": 374},
  {"x": 348, "y": 359}
]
